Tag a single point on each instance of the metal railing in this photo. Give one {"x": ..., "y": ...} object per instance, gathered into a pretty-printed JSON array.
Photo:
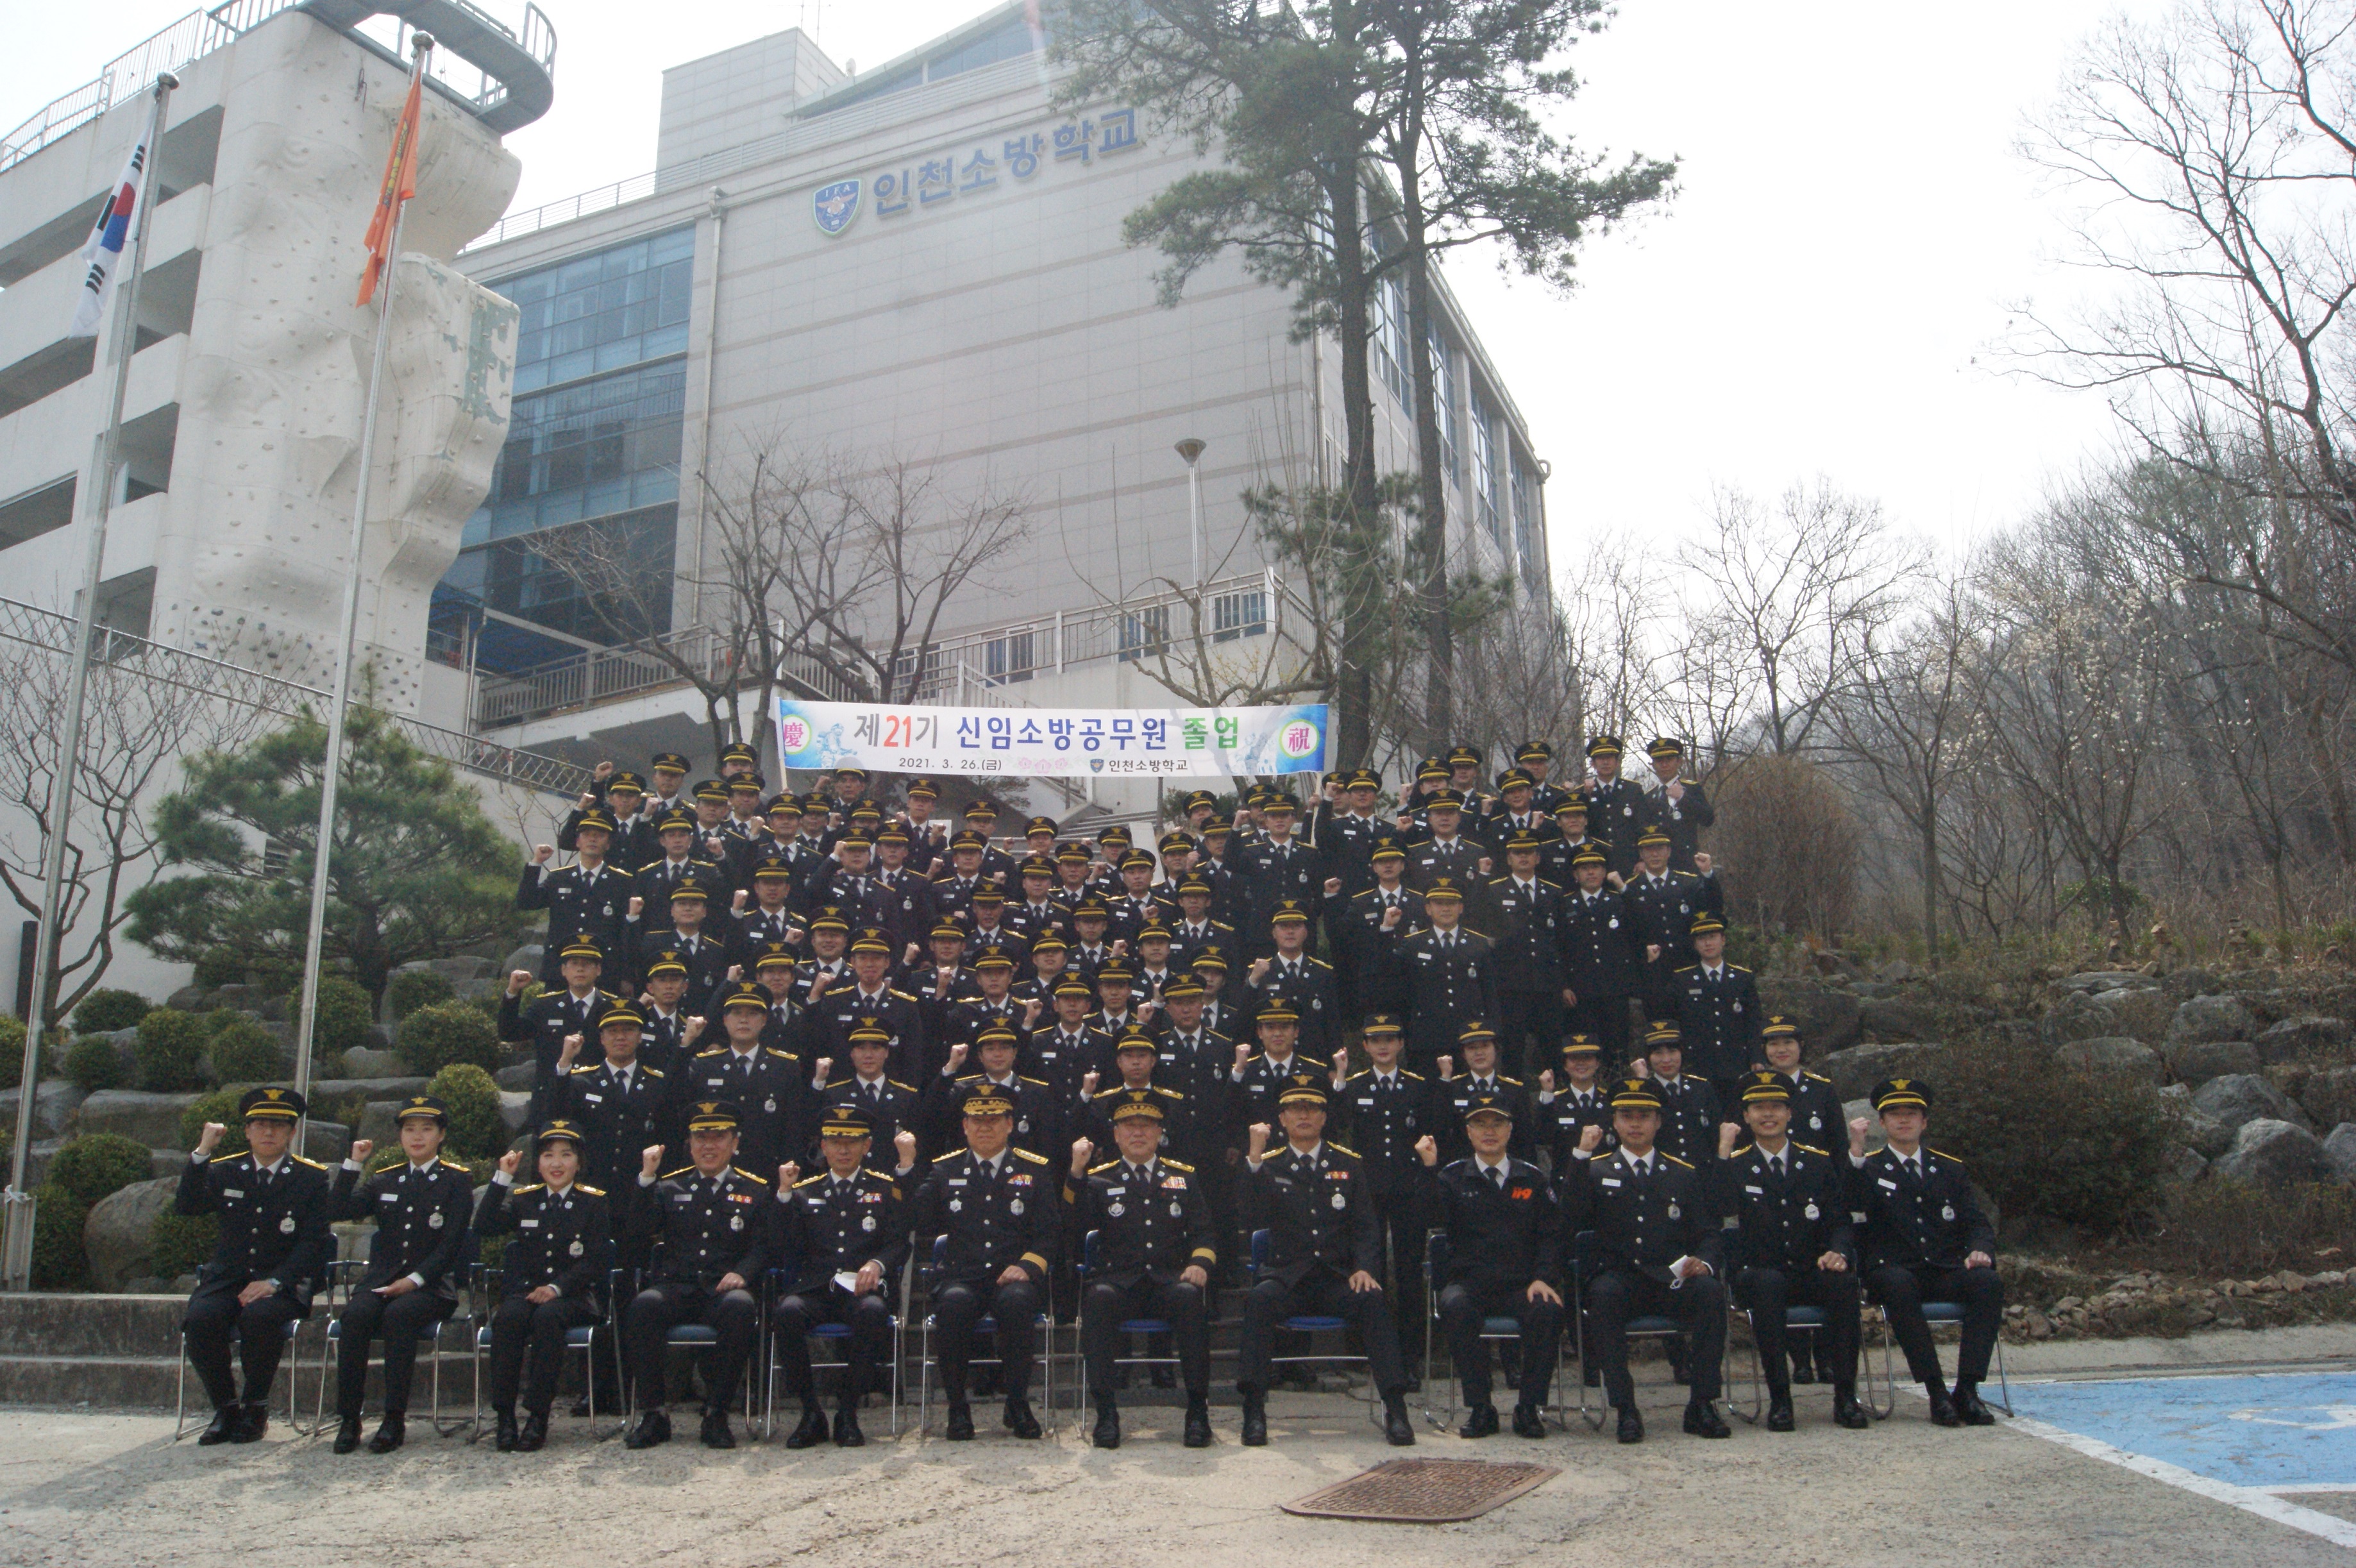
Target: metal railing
[
  {"x": 54, "y": 633},
  {"x": 531, "y": 221}
]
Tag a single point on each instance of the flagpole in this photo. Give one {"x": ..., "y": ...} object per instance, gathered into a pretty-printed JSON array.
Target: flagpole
[
  {"x": 17, "y": 1249},
  {"x": 314, "y": 936}
]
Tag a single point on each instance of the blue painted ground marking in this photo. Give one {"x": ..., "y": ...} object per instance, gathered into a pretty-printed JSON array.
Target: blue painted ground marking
[{"x": 2287, "y": 1432}]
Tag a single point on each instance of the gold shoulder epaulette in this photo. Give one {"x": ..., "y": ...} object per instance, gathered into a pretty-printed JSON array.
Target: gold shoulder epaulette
[
  {"x": 1825, "y": 1153},
  {"x": 1344, "y": 1149},
  {"x": 1321, "y": 963},
  {"x": 1099, "y": 1170},
  {"x": 224, "y": 1159},
  {"x": 1169, "y": 1094},
  {"x": 1742, "y": 1151},
  {"x": 748, "y": 1175},
  {"x": 1514, "y": 1081},
  {"x": 592, "y": 1191},
  {"x": 944, "y": 1159},
  {"x": 535, "y": 1187},
  {"x": 1027, "y": 1155},
  {"x": 1180, "y": 1166},
  {"x": 1417, "y": 1075},
  {"x": 1471, "y": 930},
  {"x": 1674, "y": 1160},
  {"x": 1684, "y": 969},
  {"x": 895, "y": 1083},
  {"x": 1040, "y": 1081},
  {"x": 457, "y": 1165},
  {"x": 652, "y": 1071},
  {"x": 1544, "y": 883},
  {"x": 810, "y": 1181},
  {"x": 1820, "y": 1077},
  {"x": 901, "y": 994},
  {"x": 773, "y": 1050},
  {"x": 1941, "y": 1153},
  {"x": 714, "y": 1051},
  {"x": 593, "y": 1067},
  {"x": 315, "y": 1164},
  {"x": 1737, "y": 968},
  {"x": 680, "y": 1172}
]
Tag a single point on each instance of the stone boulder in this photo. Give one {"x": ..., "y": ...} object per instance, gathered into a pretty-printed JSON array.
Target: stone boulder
[
  {"x": 517, "y": 1077},
  {"x": 2275, "y": 1154},
  {"x": 2203, "y": 1133},
  {"x": 1829, "y": 1020},
  {"x": 2340, "y": 1148},
  {"x": 2186, "y": 1164},
  {"x": 1856, "y": 1071},
  {"x": 2301, "y": 1038},
  {"x": 144, "y": 1118},
  {"x": 2076, "y": 1017},
  {"x": 365, "y": 1061},
  {"x": 367, "y": 1088},
  {"x": 515, "y": 1109},
  {"x": 2112, "y": 1053},
  {"x": 466, "y": 966},
  {"x": 190, "y": 999},
  {"x": 526, "y": 958},
  {"x": 2239, "y": 1099},
  {"x": 116, "y": 1235},
  {"x": 2096, "y": 981},
  {"x": 2222, "y": 1017},
  {"x": 2190, "y": 982},
  {"x": 1894, "y": 1018},
  {"x": 377, "y": 1123},
  {"x": 54, "y": 1103},
  {"x": 2329, "y": 1096},
  {"x": 2196, "y": 1061},
  {"x": 2138, "y": 1014}
]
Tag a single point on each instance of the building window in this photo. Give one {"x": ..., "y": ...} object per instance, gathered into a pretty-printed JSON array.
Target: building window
[
  {"x": 1237, "y": 615},
  {"x": 517, "y": 577},
  {"x": 1527, "y": 524},
  {"x": 596, "y": 448},
  {"x": 1144, "y": 631},
  {"x": 1390, "y": 343},
  {"x": 1484, "y": 472},
  {"x": 1443, "y": 397},
  {"x": 927, "y": 678},
  {"x": 1009, "y": 658},
  {"x": 601, "y": 312}
]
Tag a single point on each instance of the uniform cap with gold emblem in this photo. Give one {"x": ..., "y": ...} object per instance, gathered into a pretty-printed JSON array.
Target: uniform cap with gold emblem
[
  {"x": 988, "y": 892},
  {"x": 1386, "y": 848},
  {"x": 1040, "y": 826},
  {"x": 1137, "y": 860},
  {"x": 738, "y": 751},
  {"x": 714, "y": 1116},
  {"x": 625, "y": 783},
  {"x": 1474, "y": 1033},
  {"x": 1278, "y": 1012},
  {"x": 1176, "y": 843},
  {"x": 1652, "y": 836},
  {"x": 710, "y": 789},
  {"x": 1195, "y": 884},
  {"x": 1073, "y": 855},
  {"x": 1048, "y": 941},
  {"x": 1134, "y": 1102},
  {"x": 846, "y": 1120},
  {"x": 593, "y": 819},
  {"x": 1136, "y": 1038},
  {"x": 1605, "y": 746},
  {"x": 1636, "y": 1094},
  {"x": 1778, "y": 1027},
  {"x": 1288, "y": 913},
  {"x": 1300, "y": 1093},
  {"x": 1662, "y": 749},
  {"x": 984, "y": 1098},
  {"x": 1443, "y": 890},
  {"x": 1444, "y": 801},
  {"x": 563, "y": 1132},
  {"x": 869, "y": 1032},
  {"x": 689, "y": 891},
  {"x": 774, "y": 955},
  {"x": 1073, "y": 985},
  {"x": 665, "y": 962},
  {"x": 675, "y": 820},
  {"x": 829, "y": 919},
  {"x": 272, "y": 1103},
  {"x": 1365, "y": 778},
  {"x": 1153, "y": 930},
  {"x": 982, "y": 810},
  {"x": 1278, "y": 804},
  {"x": 967, "y": 839},
  {"x": 1462, "y": 756},
  {"x": 784, "y": 803},
  {"x": 1036, "y": 866},
  {"x": 1183, "y": 988},
  {"x": 1663, "y": 1034},
  {"x": 891, "y": 833},
  {"x": 922, "y": 790},
  {"x": 1581, "y": 1046},
  {"x": 1765, "y": 1088},
  {"x": 946, "y": 930},
  {"x": 1515, "y": 778},
  {"x": 857, "y": 838},
  {"x": 1590, "y": 855},
  {"x": 1488, "y": 1104},
  {"x": 669, "y": 762},
  {"x": 1211, "y": 959},
  {"x": 1899, "y": 1093},
  {"x": 1217, "y": 828},
  {"x": 582, "y": 946},
  {"x": 1570, "y": 805},
  {"x": 850, "y": 770},
  {"x": 870, "y": 938},
  {"x": 773, "y": 868},
  {"x": 745, "y": 784},
  {"x": 1116, "y": 969},
  {"x": 424, "y": 1107},
  {"x": 1431, "y": 771},
  {"x": 621, "y": 1015},
  {"x": 1704, "y": 924},
  {"x": 1523, "y": 838},
  {"x": 1382, "y": 1025},
  {"x": 744, "y": 993},
  {"x": 996, "y": 1035},
  {"x": 1531, "y": 751}
]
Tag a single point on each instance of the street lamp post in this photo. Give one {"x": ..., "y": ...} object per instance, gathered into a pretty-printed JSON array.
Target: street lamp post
[{"x": 1191, "y": 449}]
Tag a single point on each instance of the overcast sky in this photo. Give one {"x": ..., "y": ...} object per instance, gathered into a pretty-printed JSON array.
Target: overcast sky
[{"x": 1853, "y": 223}]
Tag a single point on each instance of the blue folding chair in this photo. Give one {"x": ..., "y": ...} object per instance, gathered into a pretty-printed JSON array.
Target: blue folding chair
[
  {"x": 1312, "y": 1324},
  {"x": 1439, "y": 1252},
  {"x": 838, "y": 1334},
  {"x": 182, "y": 1426},
  {"x": 1938, "y": 1314},
  {"x": 1651, "y": 1326},
  {"x": 987, "y": 1323},
  {"x": 585, "y": 1338},
  {"x": 1809, "y": 1320},
  {"x": 696, "y": 1338},
  {"x": 1130, "y": 1326},
  {"x": 461, "y": 1322}
]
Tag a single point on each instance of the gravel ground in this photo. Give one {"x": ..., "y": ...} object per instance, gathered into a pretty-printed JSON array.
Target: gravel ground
[{"x": 98, "y": 1490}]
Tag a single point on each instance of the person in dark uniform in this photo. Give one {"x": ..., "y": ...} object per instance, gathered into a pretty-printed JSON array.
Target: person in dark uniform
[
  {"x": 589, "y": 898},
  {"x": 1323, "y": 1256},
  {"x": 1517, "y": 812},
  {"x": 1617, "y": 807},
  {"x": 419, "y": 1209},
  {"x": 1717, "y": 1009},
  {"x": 1575, "y": 1100},
  {"x": 1924, "y": 1239},
  {"x": 847, "y": 1219},
  {"x": 1535, "y": 757},
  {"x": 1449, "y": 972},
  {"x": 1445, "y": 854},
  {"x": 1689, "y": 1105},
  {"x": 714, "y": 1232},
  {"x": 1504, "y": 1244},
  {"x": 570, "y": 1009},
  {"x": 769, "y": 1089},
  {"x": 1817, "y": 1115},
  {"x": 1380, "y": 1114},
  {"x": 680, "y": 861},
  {"x": 1679, "y": 804},
  {"x": 890, "y": 1106},
  {"x": 1524, "y": 917},
  {"x": 1279, "y": 871},
  {"x": 1358, "y": 933},
  {"x": 1570, "y": 837},
  {"x": 1792, "y": 1245},
  {"x": 271, "y": 1254},
  {"x": 551, "y": 1280},
  {"x": 1042, "y": 1118},
  {"x": 686, "y": 942},
  {"x": 1156, "y": 1246},
  {"x": 1657, "y": 1252},
  {"x": 1665, "y": 904},
  {"x": 616, "y": 1105},
  {"x": 996, "y": 1205},
  {"x": 1294, "y": 977},
  {"x": 1603, "y": 954}
]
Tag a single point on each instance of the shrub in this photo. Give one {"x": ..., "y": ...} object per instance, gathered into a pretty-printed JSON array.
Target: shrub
[
  {"x": 92, "y": 1064},
  {"x": 2087, "y": 1149},
  {"x": 472, "y": 1097},
  {"x": 179, "y": 1243},
  {"x": 1790, "y": 845},
  {"x": 415, "y": 988},
  {"x": 244, "y": 1051},
  {"x": 99, "y": 1166},
  {"x": 12, "y": 1053},
  {"x": 344, "y": 1017},
  {"x": 171, "y": 1051},
  {"x": 448, "y": 1033},
  {"x": 218, "y": 966},
  {"x": 59, "y": 1260},
  {"x": 2222, "y": 1225},
  {"x": 219, "y": 1106},
  {"x": 102, "y": 1012}
]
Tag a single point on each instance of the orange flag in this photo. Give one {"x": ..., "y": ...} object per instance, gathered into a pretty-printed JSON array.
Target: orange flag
[{"x": 399, "y": 184}]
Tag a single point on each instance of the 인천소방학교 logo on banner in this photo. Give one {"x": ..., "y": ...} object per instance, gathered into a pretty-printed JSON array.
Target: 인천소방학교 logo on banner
[{"x": 835, "y": 205}]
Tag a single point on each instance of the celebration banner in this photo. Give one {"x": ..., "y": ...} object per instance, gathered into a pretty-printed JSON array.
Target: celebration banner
[{"x": 1070, "y": 743}]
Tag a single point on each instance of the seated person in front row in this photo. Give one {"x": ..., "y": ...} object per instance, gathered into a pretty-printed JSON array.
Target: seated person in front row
[
  {"x": 1924, "y": 1239},
  {"x": 1504, "y": 1258},
  {"x": 844, "y": 1227},
  {"x": 1791, "y": 1246},
  {"x": 273, "y": 1253},
  {"x": 552, "y": 1279},
  {"x": 1657, "y": 1253}
]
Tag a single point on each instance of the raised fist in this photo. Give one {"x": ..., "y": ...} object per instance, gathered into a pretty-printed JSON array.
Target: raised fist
[
  {"x": 905, "y": 1143},
  {"x": 956, "y": 1056},
  {"x": 1260, "y": 1131},
  {"x": 1082, "y": 1151},
  {"x": 1447, "y": 1066},
  {"x": 1702, "y": 862},
  {"x": 736, "y": 902},
  {"x": 209, "y": 1139},
  {"x": 1243, "y": 1055},
  {"x": 1341, "y": 1062},
  {"x": 650, "y": 1160},
  {"x": 1427, "y": 1151},
  {"x": 517, "y": 981},
  {"x": 824, "y": 1065},
  {"x": 911, "y": 955},
  {"x": 693, "y": 1027},
  {"x": 1488, "y": 867},
  {"x": 1591, "y": 1138},
  {"x": 588, "y": 799},
  {"x": 1546, "y": 1081},
  {"x": 511, "y": 1161},
  {"x": 1088, "y": 1081},
  {"x": 540, "y": 853},
  {"x": 787, "y": 1174},
  {"x": 1391, "y": 918},
  {"x": 1727, "y": 1133},
  {"x": 1258, "y": 972},
  {"x": 360, "y": 1150},
  {"x": 603, "y": 771},
  {"x": 1333, "y": 886},
  {"x": 638, "y": 907},
  {"x": 570, "y": 1050}
]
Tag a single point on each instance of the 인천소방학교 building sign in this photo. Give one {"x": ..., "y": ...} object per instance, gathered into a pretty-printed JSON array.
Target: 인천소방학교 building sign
[
  {"x": 1072, "y": 743},
  {"x": 929, "y": 182}
]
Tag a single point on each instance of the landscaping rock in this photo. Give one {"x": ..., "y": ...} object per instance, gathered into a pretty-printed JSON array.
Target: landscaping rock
[
  {"x": 377, "y": 1123},
  {"x": 2211, "y": 1018},
  {"x": 515, "y": 1108},
  {"x": 2196, "y": 1061},
  {"x": 526, "y": 958},
  {"x": 2138, "y": 1014},
  {"x": 144, "y": 1118},
  {"x": 517, "y": 1077},
  {"x": 1897, "y": 970},
  {"x": 2186, "y": 1164},
  {"x": 2101, "y": 980},
  {"x": 467, "y": 966},
  {"x": 1829, "y": 1020},
  {"x": 363, "y": 1061},
  {"x": 54, "y": 1103},
  {"x": 117, "y": 1233},
  {"x": 2113, "y": 1053},
  {"x": 190, "y": 999},
  {"x": 2329, "y": 1096},
  {"x": 2340, "y": 1148},
  {"x": 368, "y": 1087},
  {"x": 2239, "y": 1099},
  {"x": 1894, "y": 1018},
  {"x": 2301, "y": 1038},
  {"x": 2275, "y": 1154},
  {"x": 1856, "y": 1071}
]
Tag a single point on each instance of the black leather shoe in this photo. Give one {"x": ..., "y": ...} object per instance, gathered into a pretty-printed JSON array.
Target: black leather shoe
[
  {"x": 1397, "y": 1430},
  {"x": 390, "y": 1432},
  {"x": 504, "y": 1440},
  {"x": 253, "y": 1421},
  {"x": 1969, "y": 1406},
  {"x": 1530, "y": 1421},
  {"x": 1779, "y": 1414},
  {"x": 1703, "y": 1421},
  {"x": 652, "y": 1427},
  {"x": 347, "y": 1433},
  {"x": 1846, "y": 1411},
  {"x": 1107, "y": 1432},
  {"x": 1481, "y": 1421},
  {"x": 846, "y": 1428},
  {"x": 1198, "y": 1424},
  {"x": 1255, "y": 1422},
  {"x": 1804, "y": 1368},
  {"x": 960, "y": 1423},
  {"x": 1632, "y": 1425},
  {"x": 222, "y": 1425},
  {"x": 1943, "y": 1410},
  {"x": 1019, "y": 1419},
  {"x": 715, "y": 1434},
  {"x": 534, "y": 1435},
  {"x": 812, "y": 1430}
]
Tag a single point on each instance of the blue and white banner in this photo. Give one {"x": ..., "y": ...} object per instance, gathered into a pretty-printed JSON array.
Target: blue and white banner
[{"x": 1067, "y": 742}]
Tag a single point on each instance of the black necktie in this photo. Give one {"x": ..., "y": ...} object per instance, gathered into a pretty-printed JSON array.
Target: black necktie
[{"x": 1497, "y": 1176}]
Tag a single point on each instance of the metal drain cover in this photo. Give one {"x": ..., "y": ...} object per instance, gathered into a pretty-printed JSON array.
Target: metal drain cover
[{"x": 1423, "y": 1491}]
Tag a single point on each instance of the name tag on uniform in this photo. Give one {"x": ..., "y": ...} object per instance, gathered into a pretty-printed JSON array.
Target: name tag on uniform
[
  {"x": 1760, "y": 1191},
  {"x": 233, "y": 1192},
  {"x": 1607, "y": 1181},
  {"x": 956, "y": 1181},
  {"x": 528, "y": 1224},
  {"x": 1885, "y": 1181}
]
